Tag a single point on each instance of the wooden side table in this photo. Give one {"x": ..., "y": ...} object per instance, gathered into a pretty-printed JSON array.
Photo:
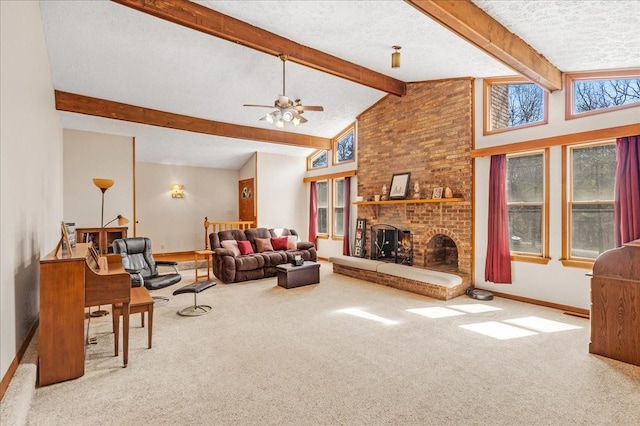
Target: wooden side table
[{"x": 198, "y": 256}]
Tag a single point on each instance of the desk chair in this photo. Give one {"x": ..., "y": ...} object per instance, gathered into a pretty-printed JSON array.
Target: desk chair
[{"x": 137, "y": 259}]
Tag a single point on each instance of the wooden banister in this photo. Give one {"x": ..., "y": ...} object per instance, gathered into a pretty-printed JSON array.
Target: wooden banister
[{"x": 223, "y": 226}]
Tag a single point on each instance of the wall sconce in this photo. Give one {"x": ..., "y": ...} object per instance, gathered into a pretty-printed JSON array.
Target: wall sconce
[
  {"x": 177, "y": 190},
  {"x": 395, "y": 57}
]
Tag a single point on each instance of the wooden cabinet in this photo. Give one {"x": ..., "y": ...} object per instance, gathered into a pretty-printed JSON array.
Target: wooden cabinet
[
  {"x": 101, "y": 241},
  {"x": 615, "y": 304}
]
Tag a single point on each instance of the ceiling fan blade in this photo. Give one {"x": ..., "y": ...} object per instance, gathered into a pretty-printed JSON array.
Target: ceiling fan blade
[
  {"x": 302, "y": 119},
  {"x": 261, "y": 106},
  {"x": 309, "y": 108}
]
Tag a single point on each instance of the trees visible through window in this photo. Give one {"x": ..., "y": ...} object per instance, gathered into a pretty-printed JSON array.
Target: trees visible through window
[
  {"x": 592, "y": 93},
  {"x": 344, "y": 146},
  {"x": 526, "y": 202},
  {"x": 591, "y": 180},
  {"x": 318, "y": 160},
  {"x": 338, "y": 207},
  {"x": 323, "y": 207},
  {"x": 512, "y": 103}
]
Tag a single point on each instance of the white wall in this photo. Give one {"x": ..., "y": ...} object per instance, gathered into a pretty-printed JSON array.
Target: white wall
[
  {"x": 553, "y": 282},
  {"x": 281, "y": 194},
  {"x": 89, "y": 155},
  {"x": 30, "y": 171},
  {"x": 176, "y": 224}
]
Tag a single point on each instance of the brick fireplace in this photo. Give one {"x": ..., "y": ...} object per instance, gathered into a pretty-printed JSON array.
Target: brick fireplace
[{"x": 427, "y": 132}]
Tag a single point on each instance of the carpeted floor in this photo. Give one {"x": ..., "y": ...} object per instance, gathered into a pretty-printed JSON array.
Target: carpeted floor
[{"x": 345, "y": 352}]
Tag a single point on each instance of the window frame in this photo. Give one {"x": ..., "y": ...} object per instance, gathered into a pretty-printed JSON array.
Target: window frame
[
  {"x": 336, "y": 140},
  {"x": 543, "y": 257},
  {"x": 567, "y": 202},
  {"x": 315, "y": 155},
  {"x": 334, "y": 206},
  {"x": 487, "y": 83},
  {"x": 571, "y": 78},
  {"x": 324, "y": 235}
]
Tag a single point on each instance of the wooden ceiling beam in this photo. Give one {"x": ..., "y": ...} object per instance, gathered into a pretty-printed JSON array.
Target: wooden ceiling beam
[
  {"x": 468, "y": 21},
  {"x": 81, "y": 104},
  {"x": 209, "y": 21}
]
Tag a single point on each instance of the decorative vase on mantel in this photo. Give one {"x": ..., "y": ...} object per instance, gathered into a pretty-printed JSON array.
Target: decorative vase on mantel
[
  {"x": 416, "y": 191},
  {"x": 384, "y": 192},
  {"x": 448, "y": 193}
]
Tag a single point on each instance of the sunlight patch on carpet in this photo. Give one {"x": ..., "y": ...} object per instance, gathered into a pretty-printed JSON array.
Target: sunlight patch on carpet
[
  {"x": 362, "y": 314},
  {"x": 435, "y": 312},
  {"x": 498, "y": 330},
  {"x": 475, "y": 308},
  {"x": 541, "y": 324}
]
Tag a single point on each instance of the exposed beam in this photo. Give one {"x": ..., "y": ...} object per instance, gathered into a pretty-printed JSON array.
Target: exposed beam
[
  {"x": 115, "y": 110},
  {"x": 209, "y": 21},
  {"x": 474, "y": 25}
]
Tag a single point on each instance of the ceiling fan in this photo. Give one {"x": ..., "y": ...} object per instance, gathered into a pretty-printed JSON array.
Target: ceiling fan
[{"x": 287, "y": 111}]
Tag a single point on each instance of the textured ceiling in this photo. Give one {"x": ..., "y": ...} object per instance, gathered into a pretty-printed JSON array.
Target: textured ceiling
[{"x": 106, "y": 50}]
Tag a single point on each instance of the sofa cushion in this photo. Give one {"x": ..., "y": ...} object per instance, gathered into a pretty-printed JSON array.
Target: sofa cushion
[
  {"x": 263, "y": 244},
  {"x": 292, "y": 242},
  {"x": 245, "y": 247},
  {"x": 274, "y": 258},
  {"x": 231, "y": 245},
  {"x": 249, "y": 262},
  {"x": 279, "y": 243}
]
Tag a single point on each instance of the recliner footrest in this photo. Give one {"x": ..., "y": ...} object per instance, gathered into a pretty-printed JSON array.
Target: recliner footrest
[{"x": 195, "y": 287}]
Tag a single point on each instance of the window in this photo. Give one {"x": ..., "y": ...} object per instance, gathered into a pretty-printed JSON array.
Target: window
[
  {"x": 323, "y": 207},
  {"x": 527, "y": 204},
  {"x": 513, "y": 103},
  {"x": 595, "y": 93},
  {"x": 344, "y": 146},
  {"x": 317, "y": 160},
  {"x": 589, "y": 201},
  {"x": 338, "y": 208}
]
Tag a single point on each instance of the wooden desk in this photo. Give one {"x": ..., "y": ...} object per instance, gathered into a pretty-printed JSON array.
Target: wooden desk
[
  {"x": 68, "y": 284},
  {"x": 207, "y": 255}
]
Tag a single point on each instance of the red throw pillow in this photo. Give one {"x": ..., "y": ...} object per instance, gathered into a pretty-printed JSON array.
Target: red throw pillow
[
  {"x": 245, "y": 247},
  {"x": 280, "y": 243}
]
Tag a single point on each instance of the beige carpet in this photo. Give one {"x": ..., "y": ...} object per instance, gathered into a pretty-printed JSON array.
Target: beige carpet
[{"x": 270, "y": 356}]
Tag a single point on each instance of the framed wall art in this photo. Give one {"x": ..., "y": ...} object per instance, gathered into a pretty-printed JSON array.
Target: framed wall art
[
  {"x": 399, "y": 186},
  {"x": 437, "y": 192}
]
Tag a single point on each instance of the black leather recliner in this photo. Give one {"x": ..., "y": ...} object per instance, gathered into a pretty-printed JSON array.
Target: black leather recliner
[{"x": 137, "y": 260}]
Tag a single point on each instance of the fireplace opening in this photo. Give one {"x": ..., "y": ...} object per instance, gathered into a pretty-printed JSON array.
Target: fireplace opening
[
  {"x": 391, "y": 244},
  {"x": 442, "y": 254}
]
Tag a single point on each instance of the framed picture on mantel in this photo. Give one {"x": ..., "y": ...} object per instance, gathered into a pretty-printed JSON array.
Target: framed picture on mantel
[{"x": 399, "y": 186}]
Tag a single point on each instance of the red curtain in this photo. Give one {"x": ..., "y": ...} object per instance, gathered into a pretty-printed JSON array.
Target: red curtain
[
  {"x": 313, "y": 214},
  {"x": 346, "y": 245},
  {"x": 498, "y": 263},
  {"x": 626, "y": 206}
]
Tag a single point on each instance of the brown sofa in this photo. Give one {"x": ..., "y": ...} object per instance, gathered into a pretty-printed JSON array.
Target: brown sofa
[{"x": 230, "y": 265}]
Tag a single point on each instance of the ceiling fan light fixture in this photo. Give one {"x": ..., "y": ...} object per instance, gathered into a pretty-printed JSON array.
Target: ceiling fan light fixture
[
  {"x": 287, "y": 115},
  {"x": 295, "y": 121},
  {"x": 395, "y": 57},
  {"x": 280, "y": 124}
]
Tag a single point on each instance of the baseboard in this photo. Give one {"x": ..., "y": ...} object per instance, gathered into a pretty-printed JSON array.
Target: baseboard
[
  {"x": 6, "y": 380},
  {"x": 568, "y": 309}
]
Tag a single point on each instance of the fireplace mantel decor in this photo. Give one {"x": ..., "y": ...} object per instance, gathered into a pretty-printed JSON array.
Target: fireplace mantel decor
[{"x": 399, "y": 186}]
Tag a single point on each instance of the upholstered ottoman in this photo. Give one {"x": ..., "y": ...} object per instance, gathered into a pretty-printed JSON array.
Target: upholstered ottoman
[
  {"x": 290, "y": 276},
  {"x": 195, "y": 288}
]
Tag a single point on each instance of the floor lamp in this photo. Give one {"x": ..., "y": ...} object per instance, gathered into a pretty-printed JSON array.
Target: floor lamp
[{"x": 103, "y": 185}]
